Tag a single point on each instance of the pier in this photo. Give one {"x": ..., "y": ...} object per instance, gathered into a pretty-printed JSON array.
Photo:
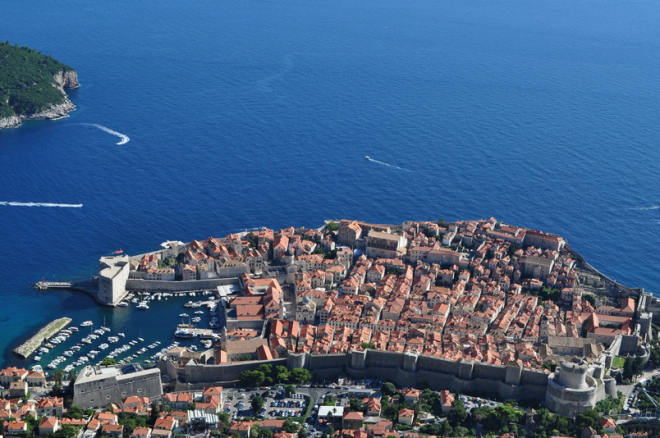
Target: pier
[
  {"x": 45, "y": 285},
  {"x": 32, "y": 344},
  {"x": 89, "y": 286}
]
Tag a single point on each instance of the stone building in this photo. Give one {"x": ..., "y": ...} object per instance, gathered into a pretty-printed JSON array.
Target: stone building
[
  {"x": 113, "y": 273},
  {"x": 97, "y": 387},
  {"x": 571, "y": 390}
]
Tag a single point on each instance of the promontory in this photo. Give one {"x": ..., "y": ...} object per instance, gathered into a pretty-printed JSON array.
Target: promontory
[{"x": 32, "y": 86}]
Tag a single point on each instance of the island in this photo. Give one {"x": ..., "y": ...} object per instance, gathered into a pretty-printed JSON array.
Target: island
[{"x": 32, "y": 86}]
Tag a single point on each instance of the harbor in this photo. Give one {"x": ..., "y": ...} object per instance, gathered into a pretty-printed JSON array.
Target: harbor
[{"x": 140, "y": 331}]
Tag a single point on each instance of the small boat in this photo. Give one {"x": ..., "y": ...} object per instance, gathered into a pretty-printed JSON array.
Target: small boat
[
  {"x": 121, "y": 334},
  {"x": 143, "y": 306},
  {"x": 186, "y": 334},
  {"x": 122, "y": 304},
  {"x": 199, "y": 312},
  {"x": 73, "y": 329},
  {"x": 183, "y": 315},
  {"x": 86, "y": 324},
  {"x": 196, "y": 319},
  {"x": 37, "y": 358},
  {"x": 368, "y": 158}
]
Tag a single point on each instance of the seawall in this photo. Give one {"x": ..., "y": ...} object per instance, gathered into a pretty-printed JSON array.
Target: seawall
[
  {"x": 31, "y": 345},
  {"x": 139, "y": 285}
]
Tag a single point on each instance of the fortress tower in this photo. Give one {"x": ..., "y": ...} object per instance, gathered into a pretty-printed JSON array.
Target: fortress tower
[
  {"x": 571, "y": 390},
  {"x": 113, "y": 273}
]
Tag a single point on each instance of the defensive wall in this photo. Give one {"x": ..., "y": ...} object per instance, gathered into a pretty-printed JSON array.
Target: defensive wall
[
  {"x": 407, "y": 370},
  {"x": 194, "y": 376},
  {"x": 611, "y": 285},
  {"x": 139, "y": 285}
]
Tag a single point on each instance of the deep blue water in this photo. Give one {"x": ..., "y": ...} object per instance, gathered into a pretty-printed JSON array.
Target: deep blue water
[{"x": 541, "y": 113}]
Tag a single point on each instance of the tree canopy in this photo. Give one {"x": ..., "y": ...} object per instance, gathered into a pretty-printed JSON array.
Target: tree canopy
[{"x": 26, "y": 80}]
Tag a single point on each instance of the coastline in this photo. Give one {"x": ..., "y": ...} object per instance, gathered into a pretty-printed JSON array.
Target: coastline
[{"x": 66, "y": 80}]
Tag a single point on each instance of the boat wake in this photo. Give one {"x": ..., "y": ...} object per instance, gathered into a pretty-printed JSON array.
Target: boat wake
[
  {"x": 38, "y": 204},
  {"x": 653, "y": 207},
  {"x": 386, "y": 164},
  {"x": 124, "y": 138}
]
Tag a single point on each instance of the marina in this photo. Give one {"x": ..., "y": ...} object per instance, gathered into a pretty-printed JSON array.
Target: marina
[{"x": 127, "y": 337}]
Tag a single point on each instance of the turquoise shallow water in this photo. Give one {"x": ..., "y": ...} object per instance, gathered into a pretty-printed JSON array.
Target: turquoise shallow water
[{"x": 248, "y": 114}]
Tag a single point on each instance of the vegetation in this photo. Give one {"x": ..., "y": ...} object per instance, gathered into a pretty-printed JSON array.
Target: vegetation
[
  {"x": 131, "y": 421},
  {"x": 500, "y": 419},
  {"x": 632, "y": 368},
  {"x": 354, "y": 405},
  {"x": 332, "y": 226},
  {"x": 545, "y": 293},
  {"x": 109, "y": 361},
  {"x": 329, "y": 400},
  {"x": 26, "y": 80},
  {"x": 610, "y": 405},
  {"x": 257, "y": 403},
  {"x": 618, "y": 362},
  {"x": 265, "y": 374},
  {"x": 388, "y": 388},
  {"x": 547, "y": 424}
]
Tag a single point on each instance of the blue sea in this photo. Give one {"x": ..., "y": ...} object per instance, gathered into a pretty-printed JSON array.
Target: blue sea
[{"x": 541, "y": 113}]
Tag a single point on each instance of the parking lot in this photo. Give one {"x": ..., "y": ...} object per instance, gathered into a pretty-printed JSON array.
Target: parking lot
[
  {"x": 276, "y": 404},
  {"x": 475, "y": 402}
]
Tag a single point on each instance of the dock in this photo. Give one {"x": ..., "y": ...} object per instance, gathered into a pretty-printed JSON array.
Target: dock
[
  {"x": 45, "y": 285},
  {"x": 31, "y": 345}
]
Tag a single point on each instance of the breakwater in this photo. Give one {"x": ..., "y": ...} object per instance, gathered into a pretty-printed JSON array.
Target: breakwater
[{"x": 30, "y": 346}]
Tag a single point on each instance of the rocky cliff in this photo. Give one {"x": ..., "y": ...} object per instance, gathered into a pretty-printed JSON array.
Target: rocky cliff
[{"x": 65, "y": 79}]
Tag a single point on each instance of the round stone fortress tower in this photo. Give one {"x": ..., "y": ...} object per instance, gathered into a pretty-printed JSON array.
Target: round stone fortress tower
[{"x": 571, "y": 389}]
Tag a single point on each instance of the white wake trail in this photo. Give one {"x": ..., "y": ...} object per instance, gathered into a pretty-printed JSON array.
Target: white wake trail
[
  {"x": 386, "y": 164},
  {"x": 124, "y": 138},
  {"x": 38, "y": 204},
  {"x": 653, "y": 207}
]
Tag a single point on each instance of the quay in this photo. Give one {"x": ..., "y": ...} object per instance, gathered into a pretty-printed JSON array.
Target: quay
[
  {"x": 45, "y": 285},
  {"x": 31, "y": 345}
]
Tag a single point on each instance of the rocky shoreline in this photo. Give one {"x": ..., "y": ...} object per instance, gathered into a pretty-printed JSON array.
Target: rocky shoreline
[{"x": 65, "y": 80}]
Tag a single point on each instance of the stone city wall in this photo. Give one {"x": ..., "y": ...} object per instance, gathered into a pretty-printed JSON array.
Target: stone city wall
[
  {"x": 403, "y": 369},
  {"x": 138, "y": 285}
]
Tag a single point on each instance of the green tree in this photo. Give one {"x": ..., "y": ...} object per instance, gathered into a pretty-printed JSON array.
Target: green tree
[
  {"x": 299, "y": 376},
  {"x": 627, "y": 373},
  {"x": 251, "y": 378},
  {"x": 265, "y": 368},
  {"x": 354, "y": 405},
  {"x": 281, "y": 374},
  {"x": 289, "y": 389},
  {"x": 638, "y": 367},
  {"x": 263, "y": 432},
  {"x": 332, "y": 226},
  {"x": 388, "y": 388},
  {"x": 108, "y": 361},
  {"x": 257, "y": 403},
  {"x": 588, "y": 418},
  {"x": 289, "y": 426},
  {"x": 590, "y": 298},
  {"x": 58, "y": 377},
  {"x": 74, "y": 412},
  {"x": 457, "y": 414}
]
